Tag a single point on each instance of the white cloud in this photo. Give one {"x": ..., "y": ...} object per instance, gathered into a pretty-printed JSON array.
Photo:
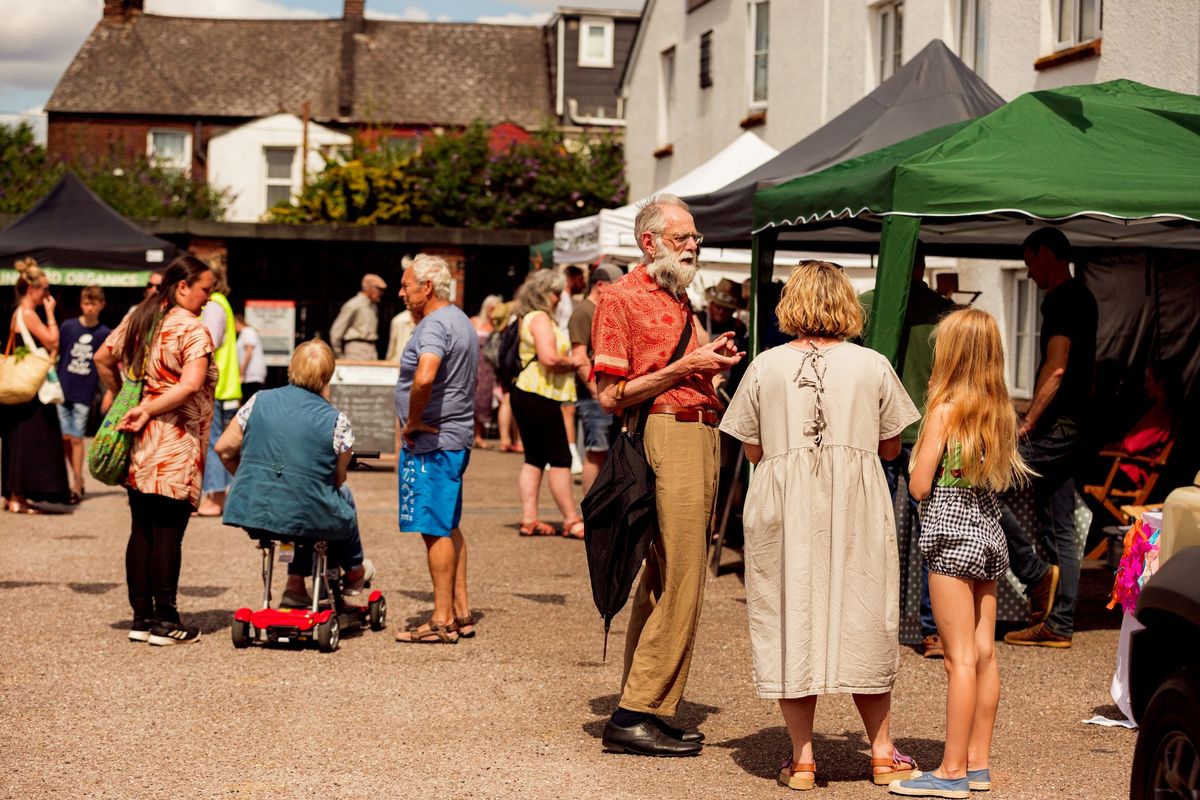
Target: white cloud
[
  {"x": 228, "y": 9},
  {"x": 409, "y": 14},
  {"x": 514, "y": 18},
  {"x": 36, "y": 45}
]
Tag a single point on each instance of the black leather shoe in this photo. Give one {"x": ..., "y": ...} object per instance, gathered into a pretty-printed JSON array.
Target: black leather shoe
[
  {"x": 682, "y": 734},
  {"x": 646, "y": 739}
]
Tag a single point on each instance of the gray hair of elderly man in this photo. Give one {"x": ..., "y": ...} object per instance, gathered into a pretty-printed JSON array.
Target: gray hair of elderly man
[
  {"x": 650, "y": 215},
  {"x": 435, "y": 270}
]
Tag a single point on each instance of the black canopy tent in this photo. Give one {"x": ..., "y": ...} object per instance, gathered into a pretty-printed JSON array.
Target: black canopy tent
[
  {"x": 933, "y": 89},
  {"x": 80, "y": 241}
]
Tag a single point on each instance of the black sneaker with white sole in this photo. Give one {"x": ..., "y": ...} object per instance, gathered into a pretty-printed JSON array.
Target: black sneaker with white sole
[
  {"x": 139, "y": 630},
  {"x": 164, "y": 633}
]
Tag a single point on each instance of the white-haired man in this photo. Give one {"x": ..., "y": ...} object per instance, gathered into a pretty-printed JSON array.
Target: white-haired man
[
  {"x": 435, "y": 400},
  {"x": 639, "y": 320},
  {"x": 356, "y": 329}
]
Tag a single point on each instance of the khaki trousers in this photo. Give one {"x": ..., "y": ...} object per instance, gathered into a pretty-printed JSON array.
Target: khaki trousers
[
  {"x": 360, "y": 351},
  {"x": 666, "y": 608}
]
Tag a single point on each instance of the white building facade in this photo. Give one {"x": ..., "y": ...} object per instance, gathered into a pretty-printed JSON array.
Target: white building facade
[
  {"x": 702, "y": 71},
  {"x": 260, "y": 164}
]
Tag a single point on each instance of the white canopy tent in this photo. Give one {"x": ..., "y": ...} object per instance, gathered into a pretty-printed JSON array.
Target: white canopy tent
[{"x": 609, "y": 234}]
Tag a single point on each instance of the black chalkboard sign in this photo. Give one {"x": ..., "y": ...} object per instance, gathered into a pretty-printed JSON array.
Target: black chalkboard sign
[{"x": 365, "y": 392}]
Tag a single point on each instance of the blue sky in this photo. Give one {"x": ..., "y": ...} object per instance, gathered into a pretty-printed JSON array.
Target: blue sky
[{"x": 40, "y": 37}]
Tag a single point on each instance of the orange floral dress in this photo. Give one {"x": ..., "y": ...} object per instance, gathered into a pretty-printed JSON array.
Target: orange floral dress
[{"x": 168, "y": 456}]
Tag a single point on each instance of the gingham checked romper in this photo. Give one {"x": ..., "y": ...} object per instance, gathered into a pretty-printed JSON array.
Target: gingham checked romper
[{"x": 960, "y": 525}]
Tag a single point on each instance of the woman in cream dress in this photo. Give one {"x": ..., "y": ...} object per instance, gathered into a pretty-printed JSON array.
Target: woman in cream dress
[{"x": 822, "y": 571}]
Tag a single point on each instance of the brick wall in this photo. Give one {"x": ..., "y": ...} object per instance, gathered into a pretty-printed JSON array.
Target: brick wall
[{"x": 72, "y": 135}]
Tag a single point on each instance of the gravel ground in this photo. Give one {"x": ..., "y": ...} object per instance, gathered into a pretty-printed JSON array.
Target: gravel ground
[{"x": 516, "y": 712}]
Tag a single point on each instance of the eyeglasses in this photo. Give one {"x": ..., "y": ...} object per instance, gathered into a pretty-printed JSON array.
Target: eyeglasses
[
  {"x": 153, "y": 285},
  {"x": 682, "y": 238}
]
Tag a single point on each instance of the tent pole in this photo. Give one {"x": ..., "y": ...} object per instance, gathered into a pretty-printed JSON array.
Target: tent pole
[
  {"x": 897, "y": 247},
  {"x": 762, "y": 272}
]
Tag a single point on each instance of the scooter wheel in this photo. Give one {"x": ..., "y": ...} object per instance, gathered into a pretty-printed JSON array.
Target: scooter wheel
[
  {"x": 240, "y": 632},
  {"x": 328, "y": 635},
  {"x": 377, "y": 614}
]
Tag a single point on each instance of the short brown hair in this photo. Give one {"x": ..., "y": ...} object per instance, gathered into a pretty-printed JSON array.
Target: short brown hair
[
  {"x": 92, "y": 293},
  {"x": 311, "y": 366},
  {"x": 819, "y": 300}
]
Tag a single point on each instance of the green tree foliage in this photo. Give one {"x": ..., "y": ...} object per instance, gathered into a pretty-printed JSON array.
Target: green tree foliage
[
  {"x": 131, "y": 183},
  {"x": 460, "y": 179}
]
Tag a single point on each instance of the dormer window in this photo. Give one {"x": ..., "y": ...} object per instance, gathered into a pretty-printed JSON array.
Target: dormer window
[{"x": 596, "y": 42}]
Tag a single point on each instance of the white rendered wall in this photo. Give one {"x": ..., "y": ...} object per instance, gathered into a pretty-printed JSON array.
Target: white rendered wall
[
  {"x": 236, "y": 161},
  {"x": 823, "y": 59}
]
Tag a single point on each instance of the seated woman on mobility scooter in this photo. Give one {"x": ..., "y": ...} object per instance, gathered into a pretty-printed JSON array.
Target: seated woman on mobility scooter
[{"x": 289, "y": 454}]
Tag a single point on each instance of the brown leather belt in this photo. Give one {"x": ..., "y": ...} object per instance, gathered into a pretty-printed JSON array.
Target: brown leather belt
[{"x": 685, "y": 414}]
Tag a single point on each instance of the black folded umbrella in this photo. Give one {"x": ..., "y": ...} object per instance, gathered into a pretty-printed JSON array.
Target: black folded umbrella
[{"x": 620, "y": 516}]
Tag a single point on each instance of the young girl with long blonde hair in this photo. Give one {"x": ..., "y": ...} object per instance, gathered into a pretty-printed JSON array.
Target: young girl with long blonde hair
[{"x": 965, "y": 454}]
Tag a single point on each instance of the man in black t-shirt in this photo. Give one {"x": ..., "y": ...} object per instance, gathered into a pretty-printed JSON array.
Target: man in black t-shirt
[{"x": 1054, "y": 429}]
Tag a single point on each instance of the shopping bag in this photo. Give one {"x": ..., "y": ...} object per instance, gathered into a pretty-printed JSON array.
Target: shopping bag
[
  {"x": 108, "y": 455},
  {"x": 21, "y": 373}
]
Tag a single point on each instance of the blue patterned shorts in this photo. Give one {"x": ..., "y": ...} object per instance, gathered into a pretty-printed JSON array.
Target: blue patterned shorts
[{"x": 431, "y": 490}]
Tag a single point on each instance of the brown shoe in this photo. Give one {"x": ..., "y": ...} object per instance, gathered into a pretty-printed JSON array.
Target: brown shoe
[
  {"x": 1041, "y": 596},
  {"x": 931, "y": 647},
  {"x": 1038, "y": 636}
]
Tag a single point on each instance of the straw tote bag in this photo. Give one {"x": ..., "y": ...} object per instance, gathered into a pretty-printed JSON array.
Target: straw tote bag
[
  {"x": 22, "y": 372},
  {"x": 51, "y": 391}
]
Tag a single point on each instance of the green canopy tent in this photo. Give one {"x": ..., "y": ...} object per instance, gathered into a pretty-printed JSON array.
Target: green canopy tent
[{"x": 1115, "y": 165}]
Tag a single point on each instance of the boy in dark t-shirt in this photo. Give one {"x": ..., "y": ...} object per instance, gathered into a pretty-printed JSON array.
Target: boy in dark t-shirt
[{"x": 79, "y": 340}]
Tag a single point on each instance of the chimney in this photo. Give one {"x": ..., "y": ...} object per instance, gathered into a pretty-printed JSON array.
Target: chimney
[
  {"x": 123, "y": 10},
  {"x": 352, "y": 13},
  {"x": 353, "y": 24}
]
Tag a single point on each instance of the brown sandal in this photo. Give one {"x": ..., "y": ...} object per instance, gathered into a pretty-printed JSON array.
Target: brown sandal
[
  {"x": 788, "y": 777},
  {"x": 900, "y": 768},
  {"x": 433, "y": 634},
  {"x": 537, "y": 528},
  {"x": 465, "y": 622},
  {"x": 573, "y": 530}
]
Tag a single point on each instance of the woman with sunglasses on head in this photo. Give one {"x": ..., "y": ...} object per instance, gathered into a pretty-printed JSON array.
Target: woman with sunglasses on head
[
  {"x": 32, "y": 457},
  {"x": 164, "y": 340}
]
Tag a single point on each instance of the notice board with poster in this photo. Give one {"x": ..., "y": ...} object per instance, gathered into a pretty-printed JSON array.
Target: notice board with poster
[
  {"x": 365, "y": 391},
  {"x": 275, "y": 321}
]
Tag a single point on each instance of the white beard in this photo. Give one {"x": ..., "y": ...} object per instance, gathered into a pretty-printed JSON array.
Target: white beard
[{"x": 671, "y": 271}]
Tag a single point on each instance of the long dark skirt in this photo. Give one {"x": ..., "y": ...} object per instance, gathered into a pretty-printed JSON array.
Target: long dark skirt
[{"x": 31, "y": 461}]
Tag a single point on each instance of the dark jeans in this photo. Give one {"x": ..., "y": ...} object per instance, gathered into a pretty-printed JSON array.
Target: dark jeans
[
  {"x": 893, "y": 470},
  {"x": 1051, "y": 454},
  {"x": 153, "y": 555}
]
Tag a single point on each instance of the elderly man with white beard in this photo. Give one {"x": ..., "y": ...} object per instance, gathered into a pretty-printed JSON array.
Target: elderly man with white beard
[{"x": 639, "y": 321}]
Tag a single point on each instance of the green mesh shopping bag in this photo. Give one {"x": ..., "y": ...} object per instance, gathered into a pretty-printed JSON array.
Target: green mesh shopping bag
[{"x": 108, "y": 455}]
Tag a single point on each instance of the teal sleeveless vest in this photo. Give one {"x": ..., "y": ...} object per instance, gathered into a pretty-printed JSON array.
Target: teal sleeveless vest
[{"x": 284, "y": 483}]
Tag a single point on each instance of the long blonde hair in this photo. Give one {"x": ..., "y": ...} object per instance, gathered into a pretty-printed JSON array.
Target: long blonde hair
[{"x": 968, "y": 373}]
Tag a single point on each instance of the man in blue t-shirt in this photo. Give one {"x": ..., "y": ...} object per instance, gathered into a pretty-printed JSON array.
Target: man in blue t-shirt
[
  {"x": 435, "y": 401},
  {"x": 79, "y": 340}
]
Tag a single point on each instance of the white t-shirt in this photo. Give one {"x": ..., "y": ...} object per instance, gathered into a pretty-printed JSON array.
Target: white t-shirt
[{"x": 256, "y": 370}]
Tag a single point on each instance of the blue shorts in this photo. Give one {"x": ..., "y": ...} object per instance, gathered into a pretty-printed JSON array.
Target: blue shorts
[
  {"x": 596, "y": 426},
  {"x": 73, "y": 418},
  {"x": 431, "y": 491}
]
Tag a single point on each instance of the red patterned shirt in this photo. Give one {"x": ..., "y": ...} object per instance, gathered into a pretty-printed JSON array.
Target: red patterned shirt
[{"x": 635, "y": 331}]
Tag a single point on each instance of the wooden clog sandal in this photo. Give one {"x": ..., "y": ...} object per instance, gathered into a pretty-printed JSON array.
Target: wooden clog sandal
[{"x": 788, "y": 774}]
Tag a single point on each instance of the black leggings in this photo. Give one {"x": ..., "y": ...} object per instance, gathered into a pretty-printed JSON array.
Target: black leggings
[
  {"x": 543, "y": 432},
  {"x": 154, "y": 553}
]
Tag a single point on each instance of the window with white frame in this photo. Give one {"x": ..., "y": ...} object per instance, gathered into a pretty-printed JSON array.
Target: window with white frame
[
  {"x": 1077, "y": 21},
  {"x": 171, "y": 149},
  {"x": 1023, "y": 331},
  {"x": 890, "y": 28},
  {"x": 972, "y": 34},
  {"x": 666, "y": 95},
  {"x": 760, "y": 41},
  {"x": 595, "y": 42},
  {"x": 279, "y": 164}
]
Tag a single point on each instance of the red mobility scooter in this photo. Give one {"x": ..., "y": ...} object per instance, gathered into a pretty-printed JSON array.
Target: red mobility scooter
[{"x": 331, "y": 612}]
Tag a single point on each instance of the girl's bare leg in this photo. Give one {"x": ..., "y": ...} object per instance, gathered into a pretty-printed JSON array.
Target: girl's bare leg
[
  {"x": 954, "y": 610},
  {"x": 987, "y": 676}
]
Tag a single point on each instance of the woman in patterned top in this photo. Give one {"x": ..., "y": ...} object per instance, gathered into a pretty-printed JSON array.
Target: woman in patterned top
[
  {"x": 966, "y": 452},
  {"x": 164, "y": 340}
]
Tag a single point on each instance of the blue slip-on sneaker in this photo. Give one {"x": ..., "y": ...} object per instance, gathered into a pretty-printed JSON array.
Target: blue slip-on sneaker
[
  {"x": 980, "y": 780},
  {"x": 929, "y": 785}
]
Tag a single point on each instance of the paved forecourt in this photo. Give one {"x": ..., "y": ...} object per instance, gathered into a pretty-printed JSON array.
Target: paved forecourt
[{"x": 516, "y": 712}]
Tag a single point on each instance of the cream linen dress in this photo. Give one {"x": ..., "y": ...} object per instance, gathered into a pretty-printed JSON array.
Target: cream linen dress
[{"x": 822, "y": 569}]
